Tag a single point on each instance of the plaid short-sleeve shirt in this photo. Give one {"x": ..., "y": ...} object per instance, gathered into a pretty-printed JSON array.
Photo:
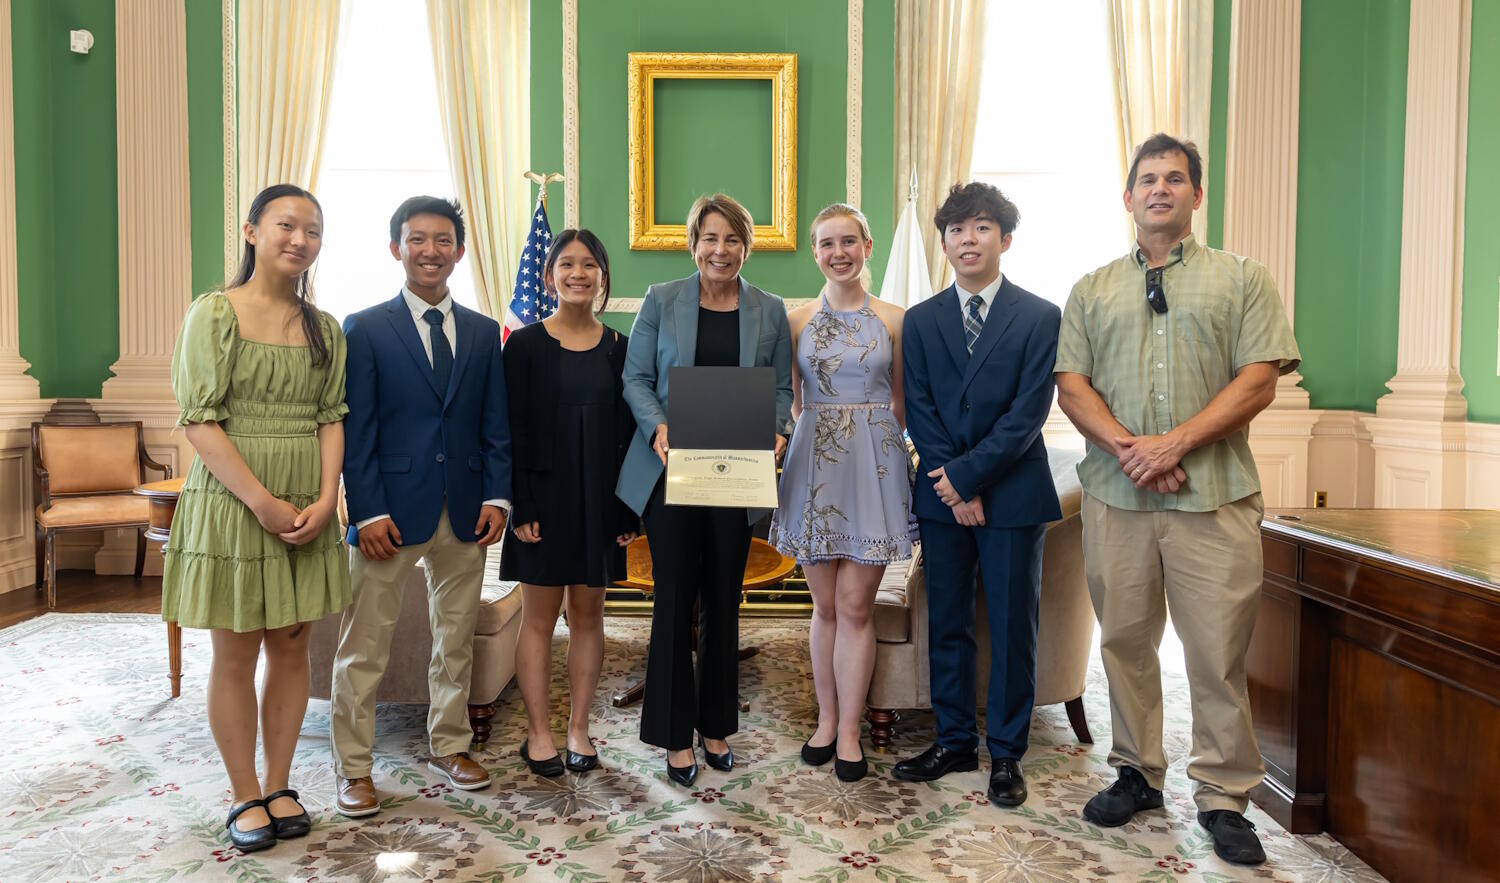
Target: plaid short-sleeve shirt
[{"x": 1156, "y": 370}]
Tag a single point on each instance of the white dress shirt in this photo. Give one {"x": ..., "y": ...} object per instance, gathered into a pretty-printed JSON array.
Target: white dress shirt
[
  {"x": 987, "y": 294},
  {"x": 418, "y": 309}
]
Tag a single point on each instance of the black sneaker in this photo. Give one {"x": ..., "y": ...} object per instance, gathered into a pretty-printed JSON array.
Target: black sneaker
[
  {"x": 1130, "y": 794},
  {"x": 1234, "y": 836}
]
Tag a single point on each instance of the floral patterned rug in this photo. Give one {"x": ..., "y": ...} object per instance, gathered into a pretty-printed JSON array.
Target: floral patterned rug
[{"x": 105, "y": 777}]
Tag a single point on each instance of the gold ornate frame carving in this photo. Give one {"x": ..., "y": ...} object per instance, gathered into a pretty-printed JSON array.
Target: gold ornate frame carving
[{"x": 646, "y": 234}]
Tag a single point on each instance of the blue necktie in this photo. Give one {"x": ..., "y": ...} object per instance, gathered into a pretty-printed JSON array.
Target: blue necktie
[
  {"x": 973, "y": 322},
  {"x": 442, "y": 354}
]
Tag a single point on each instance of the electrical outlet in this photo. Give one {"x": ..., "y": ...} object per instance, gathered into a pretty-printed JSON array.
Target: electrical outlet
[{"x": 1320, "y": 499}]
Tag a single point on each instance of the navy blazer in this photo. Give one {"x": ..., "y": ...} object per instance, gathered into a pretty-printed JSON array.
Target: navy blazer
[
  {"x": 980, "y": 417},
  {"x": 407, "y": 450},
  {"x": 665, "y": 334}
]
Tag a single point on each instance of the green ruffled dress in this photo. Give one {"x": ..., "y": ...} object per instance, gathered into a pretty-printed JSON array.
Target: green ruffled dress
[{"x": 222, "y": 570}]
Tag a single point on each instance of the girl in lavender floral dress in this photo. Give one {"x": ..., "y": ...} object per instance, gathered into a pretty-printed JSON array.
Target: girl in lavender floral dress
[{"x": 845, "y": 485}]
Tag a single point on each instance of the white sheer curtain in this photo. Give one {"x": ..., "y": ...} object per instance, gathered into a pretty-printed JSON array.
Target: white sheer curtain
[
  {"x": 939, "y": 49},
  {"x": 284, "y": 64},
  {"x": 481, "y": 51},
  {"x": 1163, "y": 63}
]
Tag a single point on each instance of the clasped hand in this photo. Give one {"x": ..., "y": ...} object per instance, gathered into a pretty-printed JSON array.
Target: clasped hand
[
  {"x": 293, "y": 525},
  {"x": 1151, "y": 462}
]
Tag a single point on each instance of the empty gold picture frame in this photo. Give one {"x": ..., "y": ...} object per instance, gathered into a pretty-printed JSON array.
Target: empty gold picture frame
[{"x": 646, "y": 234}]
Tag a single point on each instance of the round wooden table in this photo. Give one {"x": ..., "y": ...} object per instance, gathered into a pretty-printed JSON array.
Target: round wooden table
[
  {"x": 764, "y": 566},
  {"x": 163, "y": 505}
]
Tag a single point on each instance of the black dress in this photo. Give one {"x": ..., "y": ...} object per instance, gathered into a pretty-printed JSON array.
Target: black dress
[{"x": 566, "y": 477}]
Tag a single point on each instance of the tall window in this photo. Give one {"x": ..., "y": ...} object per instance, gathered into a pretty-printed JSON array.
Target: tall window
[
  {"x": 385, "y": 143},
  {"x": 1046, "y": 138}
]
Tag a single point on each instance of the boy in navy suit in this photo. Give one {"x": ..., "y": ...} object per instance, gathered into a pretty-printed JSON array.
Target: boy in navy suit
[
  {"x": 426, "y": 476},
  {"x": 978, "y": 379}
]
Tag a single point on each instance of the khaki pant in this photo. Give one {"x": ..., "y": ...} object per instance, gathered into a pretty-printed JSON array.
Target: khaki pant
[
  {"x": 455, "y": 572},
  {"x": 1206, "y": 568}
]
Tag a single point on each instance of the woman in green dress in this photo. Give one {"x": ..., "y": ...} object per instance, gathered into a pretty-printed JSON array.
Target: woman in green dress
[{"x": 255, "y": 554}]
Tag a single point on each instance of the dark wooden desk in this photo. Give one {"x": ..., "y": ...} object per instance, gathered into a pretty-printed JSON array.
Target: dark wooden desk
[{"x": 1374, "y": 677}]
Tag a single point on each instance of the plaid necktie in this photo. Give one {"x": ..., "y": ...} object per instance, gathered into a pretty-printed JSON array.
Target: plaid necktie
[
  {"x": 973, "y": 322},
  {"x": 442, "y": 354}
]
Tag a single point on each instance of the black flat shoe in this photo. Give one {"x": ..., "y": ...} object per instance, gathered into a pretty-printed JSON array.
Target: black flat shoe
[
  {"x": 817, "y": 755},
  {"x": 1007, "y": 785},
  {"x": 1115, "y": 805},
  {"x": 287, "y": 827},
  {"x": 257, "y": 838},
  {"x": 552, "y": 767},
  {"x": 934, "y": 763},
  {"x": 851, "y": 770},
  {"x": 722, "y": 762},
  {"x": 1234, "y": 836},
  {"x": 683, "y": 775},
  {"x": 581, "y": 763}
]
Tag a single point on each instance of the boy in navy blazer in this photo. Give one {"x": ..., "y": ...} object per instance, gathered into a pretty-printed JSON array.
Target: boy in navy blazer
[
  {"x": 426, "y": 476},
  {"x": 977, "y": 361}
]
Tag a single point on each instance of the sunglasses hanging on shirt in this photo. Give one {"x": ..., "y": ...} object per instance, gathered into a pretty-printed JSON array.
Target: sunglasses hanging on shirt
[{"x": 1156, "y": 296}]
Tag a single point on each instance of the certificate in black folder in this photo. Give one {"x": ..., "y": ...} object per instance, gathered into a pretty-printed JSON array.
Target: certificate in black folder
[{"x": 722, "y": 433}]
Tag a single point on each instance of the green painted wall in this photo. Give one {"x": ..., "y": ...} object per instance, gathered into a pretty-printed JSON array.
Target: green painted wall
[
  {"x": 726, "y": 157},
  {"x": 1481, "y": 283},
  {"x": 1349, "y": 169},
  {"x": 205, "y": 74},
  {"x": 67, "y": 221},
  {"x": 1218, "y": 123},
  {"x": 66, "y": 233}
]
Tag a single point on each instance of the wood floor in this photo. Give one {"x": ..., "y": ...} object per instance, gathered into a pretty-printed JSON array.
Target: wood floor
[{"x": 80, "y": 591}]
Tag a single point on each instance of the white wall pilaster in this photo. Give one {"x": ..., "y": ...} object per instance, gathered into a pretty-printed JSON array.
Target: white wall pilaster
[
  {"x": 152, "y": 135},
  {"x": 1260, "y": 214},
  {"x": 1418, "y": 433},
  {"x": 1427, "y": 385},
  {"x": 15, "y": 383}
]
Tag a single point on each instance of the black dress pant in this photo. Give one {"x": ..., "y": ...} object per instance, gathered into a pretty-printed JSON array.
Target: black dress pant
[{"x": 697, "y": 554}]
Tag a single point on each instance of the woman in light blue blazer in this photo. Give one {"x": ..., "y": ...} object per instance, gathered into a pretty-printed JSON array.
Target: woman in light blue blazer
[{"x": 711, "y": 318}]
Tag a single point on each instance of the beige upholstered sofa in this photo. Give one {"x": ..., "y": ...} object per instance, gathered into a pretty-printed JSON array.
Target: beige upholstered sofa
[
  {"x": 1065, "y": 631},
  {"x": 405, "y": 680}
]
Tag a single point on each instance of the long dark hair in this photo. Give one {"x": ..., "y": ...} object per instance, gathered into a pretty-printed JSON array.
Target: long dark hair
[
  {"x": 312, "y": 325},
  {"x": 595, "y": 247}
]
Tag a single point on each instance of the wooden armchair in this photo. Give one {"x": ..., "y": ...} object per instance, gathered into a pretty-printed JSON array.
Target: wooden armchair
[{"x": 85, "y": 478}]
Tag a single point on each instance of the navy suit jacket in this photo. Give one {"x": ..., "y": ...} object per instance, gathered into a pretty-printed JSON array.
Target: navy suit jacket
[
  {"x": 406, "y": 449},
  {"x": 980, "y": 417},
  {"x": 665, "y": 334}
]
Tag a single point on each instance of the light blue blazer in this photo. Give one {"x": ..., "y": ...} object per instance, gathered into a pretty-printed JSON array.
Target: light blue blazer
[{"x": 665, "y": 335}]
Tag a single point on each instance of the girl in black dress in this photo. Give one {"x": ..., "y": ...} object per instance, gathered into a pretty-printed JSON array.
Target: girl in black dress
[{"x": 570, "y": 428}]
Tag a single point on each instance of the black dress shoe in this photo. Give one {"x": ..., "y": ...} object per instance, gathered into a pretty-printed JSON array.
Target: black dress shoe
[
  {"x": 1234, "y": 836},
  {"x": 683, "y": 775},
  {"x": 1129, "y": 795},
  {"x": 256, "y": 838},
  {"x": 288, "y": 827},
  {"x": 723, "y": 762},
  {"x": 581, "y": 763},
  {"x": 934, "y": 763},
  {"x": 818, "y": 755},
  {"x": 1007, "y": 785},
  {"x": 851, "y": 770},
  {"x": 552, "y": 767}
]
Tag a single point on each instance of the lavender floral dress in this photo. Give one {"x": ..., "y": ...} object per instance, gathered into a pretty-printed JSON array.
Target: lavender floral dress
[{"x": 845, "y": 488}]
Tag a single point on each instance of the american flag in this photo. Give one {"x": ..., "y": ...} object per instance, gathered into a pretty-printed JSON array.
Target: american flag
[{"x": 530, "y": 302}]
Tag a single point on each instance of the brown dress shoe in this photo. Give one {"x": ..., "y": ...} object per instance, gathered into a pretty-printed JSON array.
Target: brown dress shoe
[
  {"x": 462, "y": 772},
  {"x": 356, "y": 798}
]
